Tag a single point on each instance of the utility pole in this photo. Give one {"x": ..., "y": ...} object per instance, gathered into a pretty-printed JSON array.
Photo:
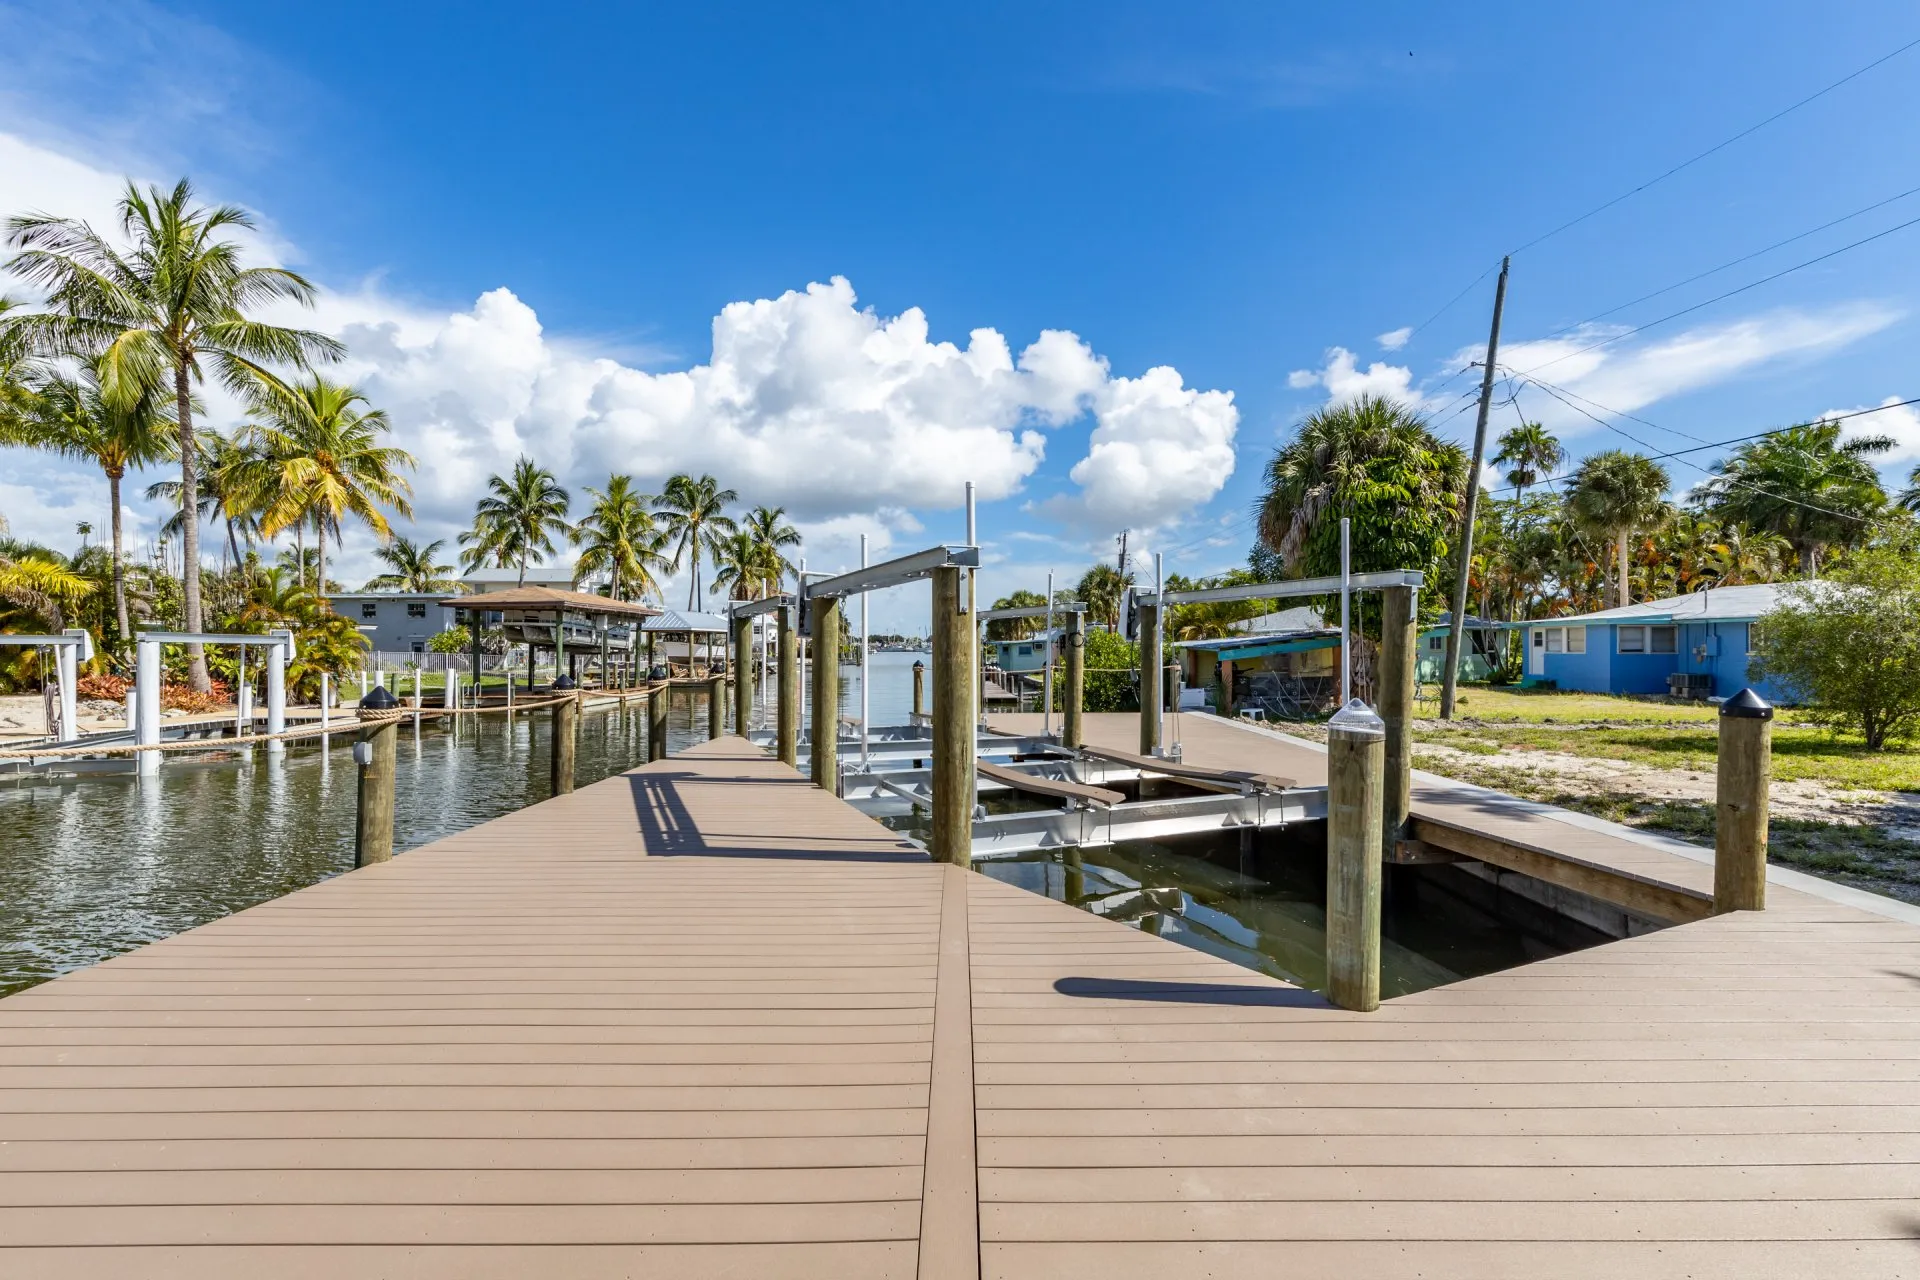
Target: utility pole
[
  {"x": 1123, "y": 552},
  {"x": 1456, "y": 630}
]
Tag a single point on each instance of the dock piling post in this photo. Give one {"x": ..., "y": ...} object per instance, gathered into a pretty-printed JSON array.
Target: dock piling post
[
  {"x": 1074, "y": 699},
  {"x": 657, "y": 698},
  {"x": 1149, "y": 679},
  {"x": 742, "y": 668},
  {"x": 1740, "y": 817},
  {"x": 954, "y": 744},
  {"x": 1356, "y": 758},
  {"x": 823, "y": 637},
  {"x": 919, "y": 690},
  {"x": 1399, "y": 636},
  {"x": 374, "y": 754},
  {"x": 716, "y": 706},
  {"x": 787, "y": 712},
  {"x": 566, "y": 721}
]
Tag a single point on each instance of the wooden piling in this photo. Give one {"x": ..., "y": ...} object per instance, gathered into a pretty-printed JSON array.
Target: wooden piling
[
  {"x": 919, "y": 690},
  {"x": 1399, "y": 636},
  {"x": 716, "y": 706},
  {"x": 823, "y": 641},
  {"x": 1740, "y": 816},
  {"x": 1074, "y": 697},
  {"x": 1150, "y": 695},
  {"x": 951, "y": 837},
  {"x": 375, "y": 754},
  {"x": 787, "y": 710},
  {"x": 657, "y": 697},
  {"x": 566, "y": 721},
  {"x": 742, "y": 668},
  {"x": 1356, "y": 759}
]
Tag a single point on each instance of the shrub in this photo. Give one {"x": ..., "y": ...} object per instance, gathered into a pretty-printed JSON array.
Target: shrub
[
  {"x": 181, "y": 697},
  {"x": 104, "y": 687},
  {"x": 452, "y": 640},
  {"x": 1848, "y": 647}
]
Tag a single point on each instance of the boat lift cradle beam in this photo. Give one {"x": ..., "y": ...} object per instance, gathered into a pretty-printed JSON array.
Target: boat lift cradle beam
[{"x": 1283, "y": 590}]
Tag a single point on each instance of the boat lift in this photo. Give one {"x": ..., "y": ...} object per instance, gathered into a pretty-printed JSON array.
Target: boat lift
[
  {"x": 146, "y": 720},
  {"x": 70, "y": 648}
]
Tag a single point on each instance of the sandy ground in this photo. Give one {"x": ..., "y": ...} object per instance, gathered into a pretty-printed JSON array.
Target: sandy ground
[
  {"x": 1896, "y": 813},
  {"x": 25, "y": 716}
]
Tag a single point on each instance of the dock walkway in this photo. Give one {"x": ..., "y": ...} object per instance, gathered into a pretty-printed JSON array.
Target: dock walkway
[{"x": 704, "y": 1020}]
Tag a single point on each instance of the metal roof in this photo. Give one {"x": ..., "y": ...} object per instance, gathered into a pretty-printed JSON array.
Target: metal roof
[
  {"x": 531, "y": 597},
  {"x": 685, "y": 620},
  {"x": 1716, "y": 604}
]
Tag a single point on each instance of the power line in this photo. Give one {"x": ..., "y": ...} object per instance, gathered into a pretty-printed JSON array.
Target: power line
[
  {"x": 1716, "y": 147},
  {"x": 1721, "y": 297},
  {"x": 1744, "y": 484},
  {"x": 1653, "y": 182},
  {"x": 1778, "y": 244},
  {"x": 1681, "y": 453}
]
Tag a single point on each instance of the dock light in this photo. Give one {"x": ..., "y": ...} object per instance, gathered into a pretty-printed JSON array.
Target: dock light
[{"x": 363, "y": 753}]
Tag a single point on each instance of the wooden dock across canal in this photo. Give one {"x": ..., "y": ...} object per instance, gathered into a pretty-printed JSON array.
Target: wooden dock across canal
[{"x": 705, "y": 1020}]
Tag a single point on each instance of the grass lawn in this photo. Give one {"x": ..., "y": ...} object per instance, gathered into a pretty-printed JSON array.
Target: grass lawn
[{"x": 1659, "y": 735}]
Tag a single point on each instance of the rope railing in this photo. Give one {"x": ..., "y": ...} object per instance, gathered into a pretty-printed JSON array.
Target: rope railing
[{"x": 347, "y": 725}]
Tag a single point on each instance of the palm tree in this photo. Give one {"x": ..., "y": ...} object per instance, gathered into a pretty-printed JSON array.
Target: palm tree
[
  {"x": 1376, "y": 462},
  {"x": 769, "y": 528},
  {"x": 740, "y": 567},
  {"x": 413, "y": 567},
  {"x": 69, "y": 416},
  {"x": 321, "y": 460},
  {"x": 39, "y": 584},
  {"x": 1101, "y": 588},
  {"x": 1910, "y": 496},
  {"x": 694, "y": 513},
  {"x": 619, "y": 538},
  {"x": 1530, "y": 453},
  {"x": 227, "y": 472},
  {"x": 517, "y": 519},
  {"x": 161, "y": 315},
  {"x": 1612, "y": 495},
  {"x": 1804, "y": 484},
  {"x": 16, "y": 370}
]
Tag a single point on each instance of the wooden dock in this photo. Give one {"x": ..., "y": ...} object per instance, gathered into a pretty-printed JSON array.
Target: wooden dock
[{"x": 704, "y": 1020}]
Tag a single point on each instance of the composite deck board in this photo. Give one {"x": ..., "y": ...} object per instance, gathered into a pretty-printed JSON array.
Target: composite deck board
[{"x": 704, "y": 1020}]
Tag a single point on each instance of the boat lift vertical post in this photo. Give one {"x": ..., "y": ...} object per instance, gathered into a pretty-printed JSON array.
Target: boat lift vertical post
[
  {"x": 1346, "y": 592},
  {"x": 277, "y": 657},
  {"x": 146, "y": 666},
  {"x": 1046, "y": 692},
  {"x": 865, "y": 682}
]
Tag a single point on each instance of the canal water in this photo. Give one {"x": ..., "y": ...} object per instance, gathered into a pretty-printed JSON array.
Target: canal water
[{"x": 95, "y": 866}]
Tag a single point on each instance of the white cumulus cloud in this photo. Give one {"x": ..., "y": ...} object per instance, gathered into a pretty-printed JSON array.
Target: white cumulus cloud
[
  {"x": 1900, "y": 422},
  {"x": 1159, "y": 449},
  {"x": 1394, "y": 339},
  {"x": 1344, "y": 379}
]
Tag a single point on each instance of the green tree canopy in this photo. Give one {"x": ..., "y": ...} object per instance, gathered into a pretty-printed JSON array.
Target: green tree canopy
[
  {"x": 518, "y": 519},
  {"x": 1376, "y": 462},
  {"x": 1849, "y": 647},
  {"x": 1806, "y": 485},
  {"x": 1615, "y": 494}
]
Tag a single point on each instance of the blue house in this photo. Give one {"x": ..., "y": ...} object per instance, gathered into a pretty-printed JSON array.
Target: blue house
[{"x": 1694, "y": 645}]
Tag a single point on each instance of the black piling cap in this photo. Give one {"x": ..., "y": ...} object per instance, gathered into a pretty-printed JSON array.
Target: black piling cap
[
  {"x": 379, "y": 698},
  {"x": 1747, "y": 705},
  {"x": 919, "y": 665},
  {"x": 565, "y": 682}
]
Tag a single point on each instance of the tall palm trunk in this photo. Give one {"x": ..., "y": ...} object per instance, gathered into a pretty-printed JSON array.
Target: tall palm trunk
[
  {"x": 319, "y": 556},
  {"x": 1626, "y": 591},
  {"x": 189, "y": 523},
  {"x": 233, "y": 543},
  {"x": 523, "y": 570},
  {"x": 121, "y": 634}
]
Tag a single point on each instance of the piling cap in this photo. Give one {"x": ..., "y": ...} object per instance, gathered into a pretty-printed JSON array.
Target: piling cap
[
  {"x": 919, "y": 665},
  {"x": 1357, "y": 719},
  {"x": 1747, "y": 705},
  {"x": 379, "y": 698},
  {"x": 564, "y": 682}
]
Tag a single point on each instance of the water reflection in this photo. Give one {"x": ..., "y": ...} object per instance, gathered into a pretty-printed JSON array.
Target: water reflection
[{"x": 1261, "y": 906}]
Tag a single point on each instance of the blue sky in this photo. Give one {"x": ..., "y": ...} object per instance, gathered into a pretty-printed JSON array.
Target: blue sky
[{"x": 528, "y": 220}]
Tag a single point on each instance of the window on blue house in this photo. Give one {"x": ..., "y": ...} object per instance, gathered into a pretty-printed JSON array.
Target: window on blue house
[
  {"x": 1649, "y": 639},
  {"x": 1556, "y": 639},
  {"x": 1576, "y": 639}
]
